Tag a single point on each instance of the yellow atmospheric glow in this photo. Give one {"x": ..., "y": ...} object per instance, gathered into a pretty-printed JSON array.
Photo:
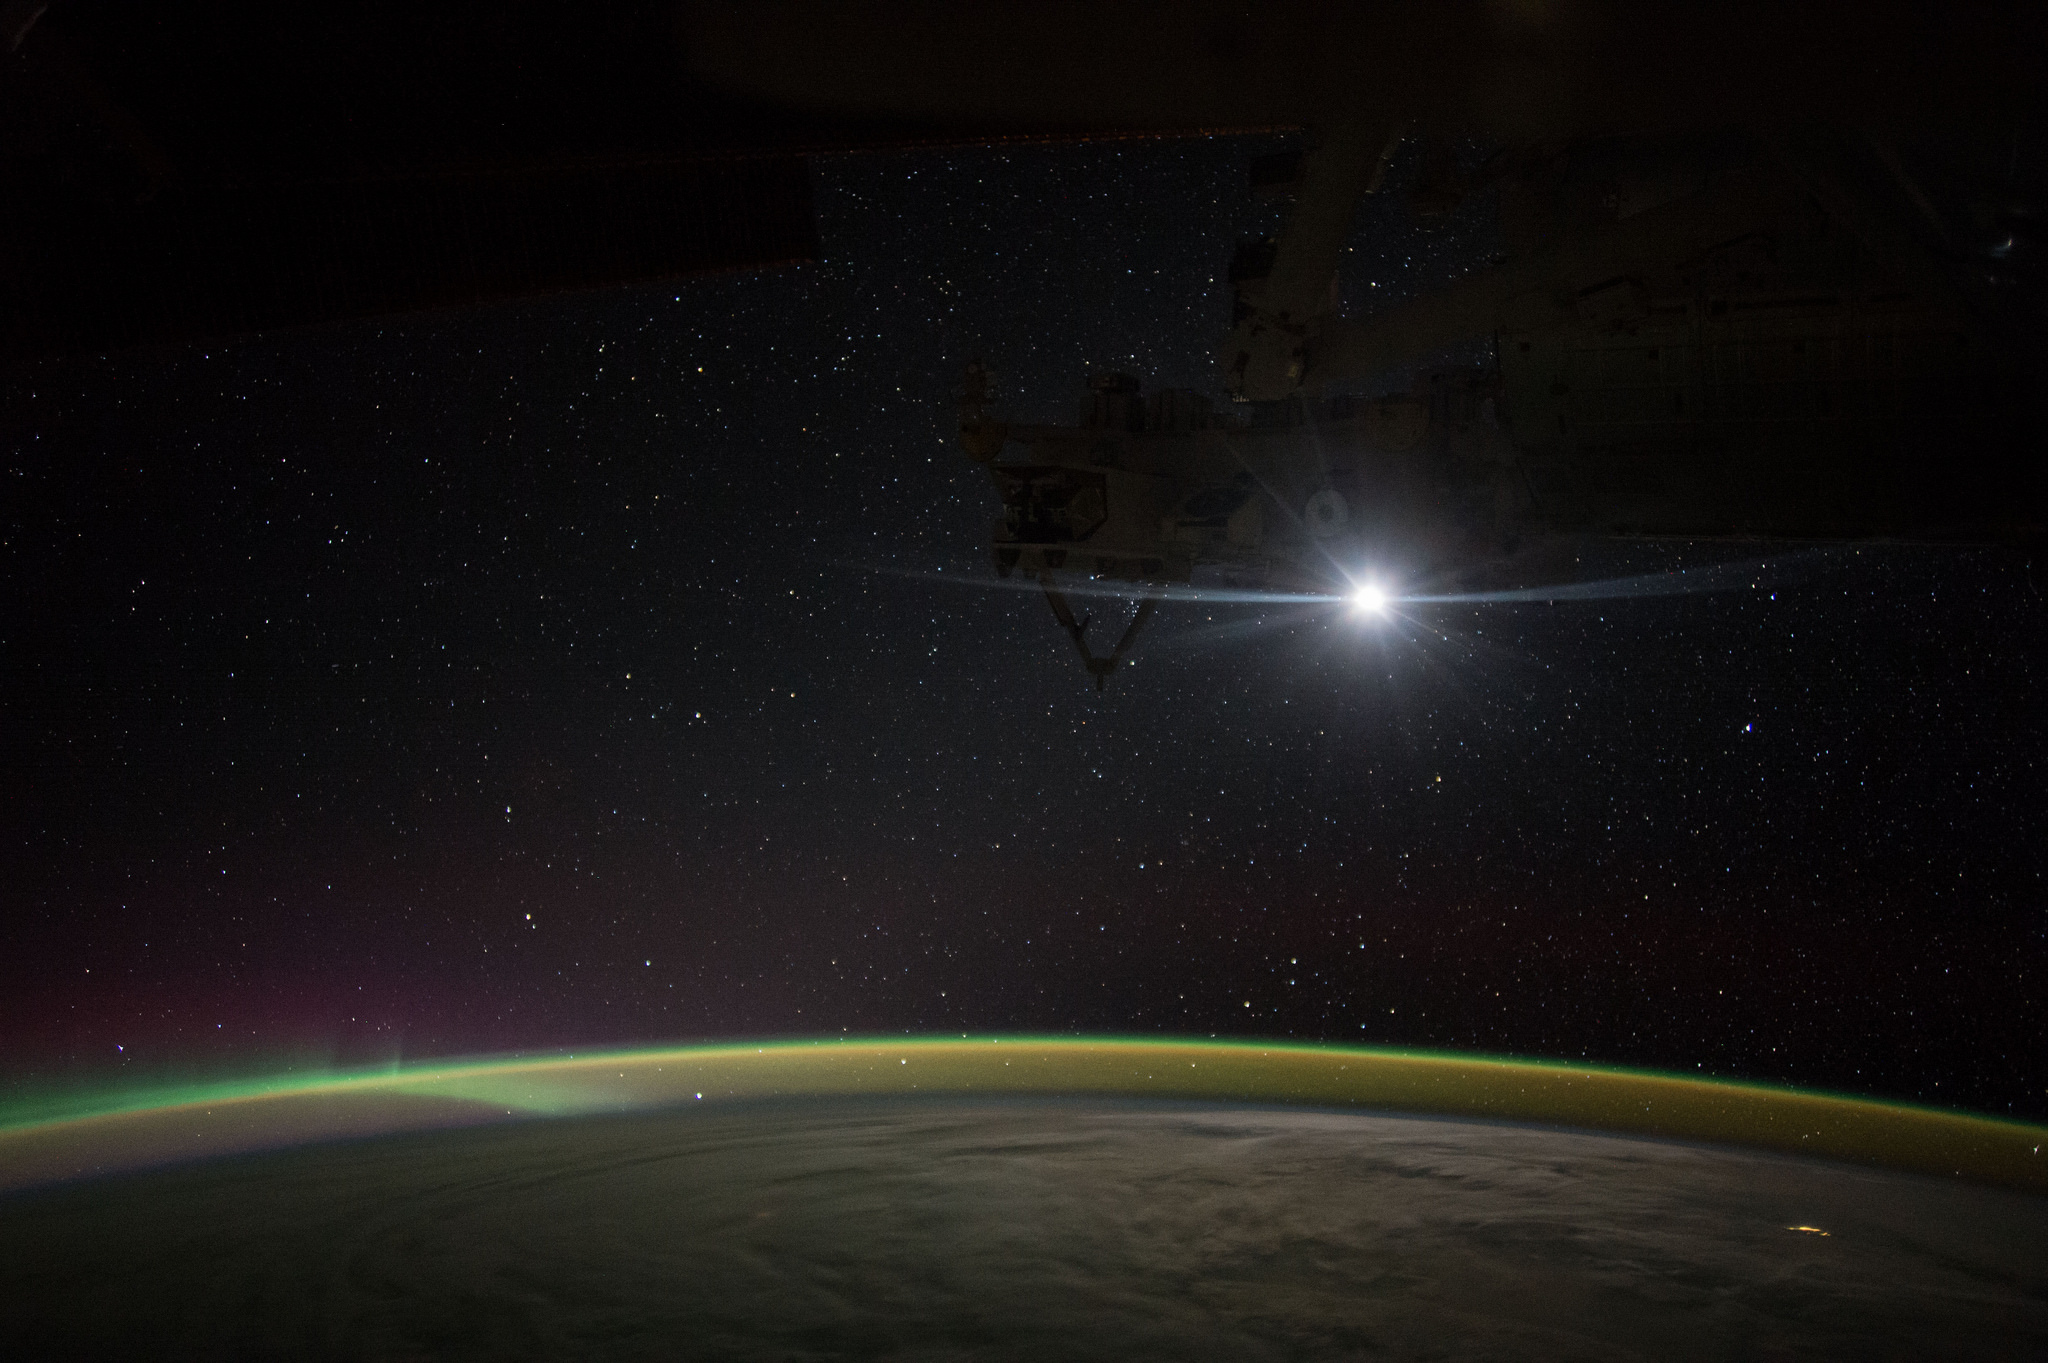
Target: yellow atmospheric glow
[{"x": 225, "y": 1119}]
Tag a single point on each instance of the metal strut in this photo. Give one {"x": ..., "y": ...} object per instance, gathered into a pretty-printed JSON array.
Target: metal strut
[{"x": 1077, "y": 630}]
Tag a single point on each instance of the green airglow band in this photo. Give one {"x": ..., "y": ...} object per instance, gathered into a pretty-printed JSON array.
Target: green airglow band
[{"x": 44, "y": 1142}]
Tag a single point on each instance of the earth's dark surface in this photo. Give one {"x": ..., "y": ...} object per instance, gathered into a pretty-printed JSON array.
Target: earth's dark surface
[{"x": 1021, "y": 1230}]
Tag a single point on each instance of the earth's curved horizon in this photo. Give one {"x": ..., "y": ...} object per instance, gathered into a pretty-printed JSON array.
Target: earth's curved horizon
[
  {"x": 933, "y": 1224},
  {"x": 64, "y": 1139}
]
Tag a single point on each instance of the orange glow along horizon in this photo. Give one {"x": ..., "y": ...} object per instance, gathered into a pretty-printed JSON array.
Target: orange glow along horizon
[{"x": 174, "y": 1126}]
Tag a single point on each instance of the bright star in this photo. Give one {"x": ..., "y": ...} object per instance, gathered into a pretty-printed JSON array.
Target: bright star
[{"x": 1369, "y": 600}]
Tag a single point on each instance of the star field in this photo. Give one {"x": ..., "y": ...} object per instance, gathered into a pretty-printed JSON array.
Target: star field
[{"x": 594, "y": 670}]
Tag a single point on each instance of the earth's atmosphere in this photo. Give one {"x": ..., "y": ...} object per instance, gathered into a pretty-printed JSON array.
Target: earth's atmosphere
[
  {"x": 1022, "y": 1228},
  {"x": 65, "y": 1135}
]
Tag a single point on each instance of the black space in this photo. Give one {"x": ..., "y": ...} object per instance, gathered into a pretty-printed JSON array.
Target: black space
[{"x": 590, "y": 671}]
